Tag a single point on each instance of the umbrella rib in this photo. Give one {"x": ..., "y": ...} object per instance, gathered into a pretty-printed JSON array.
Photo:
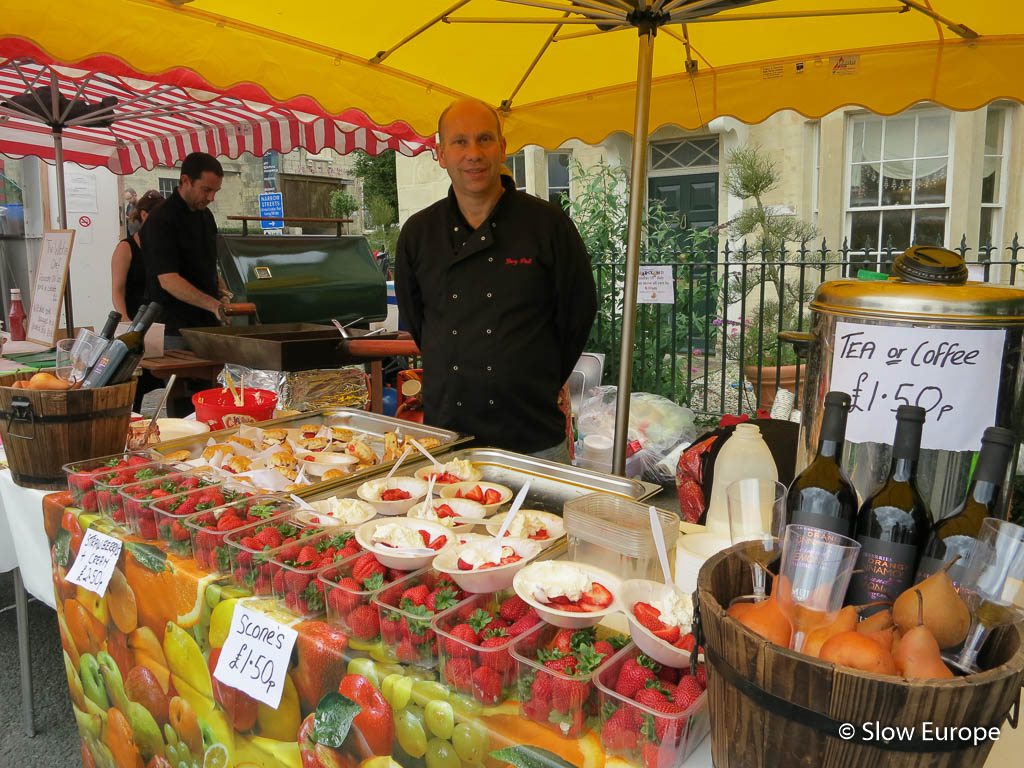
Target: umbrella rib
[
  {"x": 381, "y": 55},
  {"x": 681, "y": 16},
  {"x": 513, "y": 20},
  {"x": 627, "y": 7},
  {"x": 506, "y": 105},
  {"x": 592, "y": 32},
  {"x": 958, "y": 29},
  {"x": 580, "y": 8}
]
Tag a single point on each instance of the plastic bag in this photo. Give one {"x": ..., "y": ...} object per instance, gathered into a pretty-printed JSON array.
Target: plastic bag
[{"x": 658, "y": 424}]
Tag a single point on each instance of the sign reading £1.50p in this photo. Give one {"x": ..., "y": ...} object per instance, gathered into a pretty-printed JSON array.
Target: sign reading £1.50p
[
  {"x": 255, "y": 655},
  {"x": 952, "y": 373},
  {"x": 94, "y": 565}
]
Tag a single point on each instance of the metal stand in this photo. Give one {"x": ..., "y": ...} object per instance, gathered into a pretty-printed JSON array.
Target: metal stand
[{"x": 21, "y": 612}]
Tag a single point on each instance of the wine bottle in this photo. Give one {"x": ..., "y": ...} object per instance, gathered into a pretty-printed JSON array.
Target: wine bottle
[
  {"x": 893, "y": 522},
  {"x": 110, "y": 368},
  {"x": 955, "y": 535},
  {"x": 821, "y": 496},
  {"x": 113, "y": 318}
]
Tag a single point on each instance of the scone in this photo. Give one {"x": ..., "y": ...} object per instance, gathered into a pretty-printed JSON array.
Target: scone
[
  {"x": 282, "y": 459},
  {"x": 341, "y": 434},
  {"x": 309, "y": 430},
  {"x": 314, "y": 443},
  {"x": 183, "y": 455},
  {"x": 334, "y": 474},
  {"x": 238, "y": 464},
  {"x": 288, "y": 472},
  {"x": 213, "y": 451},
  {"x": 242, "y": 441},
  {"x": 274, "y": 437}
]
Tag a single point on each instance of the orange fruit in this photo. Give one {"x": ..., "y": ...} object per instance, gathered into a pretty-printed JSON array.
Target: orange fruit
[
  {"x": 86, "y": 632},
  {"x": 121, "y": 603},
  {"x": 120, "y": 740}
]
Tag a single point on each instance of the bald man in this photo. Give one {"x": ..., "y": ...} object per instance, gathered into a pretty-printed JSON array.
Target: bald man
[{"x": 497, "y": 289}]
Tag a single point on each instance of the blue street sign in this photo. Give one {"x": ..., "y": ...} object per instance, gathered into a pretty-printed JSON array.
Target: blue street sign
[{"x": 272, "y": 204}]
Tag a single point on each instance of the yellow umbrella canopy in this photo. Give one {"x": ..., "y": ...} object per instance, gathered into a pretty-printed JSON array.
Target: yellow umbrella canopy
[
  {"x": 561, "y": 69},
  {"x": 744, "y": 58}
]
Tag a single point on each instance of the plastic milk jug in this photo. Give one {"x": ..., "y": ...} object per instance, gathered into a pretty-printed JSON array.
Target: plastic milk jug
[{"x": 744, "y": 455}]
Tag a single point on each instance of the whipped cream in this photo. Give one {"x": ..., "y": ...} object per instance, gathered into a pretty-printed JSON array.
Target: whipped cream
[
  {"x": 401, "y": 536},
  {"x": 429, "y": 512},
  {"x": 374, "y": 488},
  {"x": 462, "y": 468},
  {"x": 344, "y": 511},
  {"x": 676, "y": 609},
  {"x": 480, "y": 553},
  {"x": 548, "y": 579},
  {"x": 527, "y": 524}
]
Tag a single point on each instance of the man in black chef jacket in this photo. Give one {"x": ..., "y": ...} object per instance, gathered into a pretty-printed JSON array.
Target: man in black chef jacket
[{"x": 496, "y": 287}]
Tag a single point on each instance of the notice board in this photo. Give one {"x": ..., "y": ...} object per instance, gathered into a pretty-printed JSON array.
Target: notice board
[{"x": 48, "y": 289}]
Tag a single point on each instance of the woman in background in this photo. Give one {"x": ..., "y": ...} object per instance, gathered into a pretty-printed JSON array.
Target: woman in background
[{"x": 128, "y": 273}]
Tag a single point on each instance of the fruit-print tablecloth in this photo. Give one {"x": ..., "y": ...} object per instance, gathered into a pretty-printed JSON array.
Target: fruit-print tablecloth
[{"x": 139, "y": 663}]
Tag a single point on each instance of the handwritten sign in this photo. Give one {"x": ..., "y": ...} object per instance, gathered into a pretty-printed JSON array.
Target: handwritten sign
[
  {"x": 48, "y": 290},
  {"x": 95, "y": 563},
  {"x": 255, "y": 656},
  {"x": 654, "y": 286},
  {"x": 952, "y": 374}
]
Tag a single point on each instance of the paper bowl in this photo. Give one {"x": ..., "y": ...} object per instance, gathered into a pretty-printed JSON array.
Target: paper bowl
[
  {"x": 571, "y": 619},
  {"x": 489, "y": 579},
  {"x": 320, "y": 514},
  {"x": 417, "y": 489},
  {"x": 323, "y": 461},
  {"x": 555, "y": 527},
  {"x": 394, "y": 558},
  {"x": 449, "y": 491},
  {"x": 634, "y": 591},
  {"x": 461, "y": 507},
  {"x": 423, "y": 473}
]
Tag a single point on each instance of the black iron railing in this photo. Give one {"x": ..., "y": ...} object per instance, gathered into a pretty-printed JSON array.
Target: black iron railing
[{"x": 728, "y": 309}]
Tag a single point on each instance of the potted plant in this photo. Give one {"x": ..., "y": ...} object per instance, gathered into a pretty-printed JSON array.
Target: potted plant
[{"x": 764, "y": 233}]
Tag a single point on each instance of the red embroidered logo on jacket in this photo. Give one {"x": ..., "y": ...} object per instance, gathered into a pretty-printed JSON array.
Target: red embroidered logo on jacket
[{"x": 515, "y": 262}]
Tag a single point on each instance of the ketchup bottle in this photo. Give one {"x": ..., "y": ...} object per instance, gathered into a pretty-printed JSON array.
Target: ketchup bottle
[{"x": 16, "y": 317}]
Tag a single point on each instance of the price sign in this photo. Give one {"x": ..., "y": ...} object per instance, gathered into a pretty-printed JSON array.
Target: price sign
[
  {"x": 48, "y": 289},
  {"x": 255, "y": 656},
  {"x": 952, "y": 374},
  {"x": 97, "y": 557}
]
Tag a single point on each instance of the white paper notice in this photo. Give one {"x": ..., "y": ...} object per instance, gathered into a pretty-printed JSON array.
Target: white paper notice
[
  {"x": 97, "y": 557},
  {"x": 952, "y": 374},
  {"x": 654, "y": 286},
  {"x": 255, "y": 656}
]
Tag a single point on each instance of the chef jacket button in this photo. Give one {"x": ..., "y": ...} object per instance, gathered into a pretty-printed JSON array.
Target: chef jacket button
[
  {"x": 458, "y": 403},
  {"x": 455, "y": 295},
  {"x": 488, "y": 330},
  {"x": 490, "y": 258},
  {"x": 489, "y": 294},
  {"x": 455, "y": 333},
  {"x": 455, "y": 367},
  {"x": 488, "y": 367},
  {"x": 456, "y": 229},
  {"x": 491, "y": 402},
  {"x": 483, "y": 238}
]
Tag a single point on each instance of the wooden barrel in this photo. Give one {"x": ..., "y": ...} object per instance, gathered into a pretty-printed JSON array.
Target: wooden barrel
[
  {"x": 44, "y": 429},
  {"x": 770, "y": 706}
]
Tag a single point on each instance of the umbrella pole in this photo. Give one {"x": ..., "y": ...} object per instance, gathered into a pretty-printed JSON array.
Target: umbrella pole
[
  {"x": 637, "y": 195},
  {"x": 62, "y": 223}
]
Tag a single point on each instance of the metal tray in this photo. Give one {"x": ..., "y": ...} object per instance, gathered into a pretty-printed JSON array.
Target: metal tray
[
  {"x": 374, "y": 425},
  {"x": 276, "y": 346},
  {"x": 552, "y": 485}
]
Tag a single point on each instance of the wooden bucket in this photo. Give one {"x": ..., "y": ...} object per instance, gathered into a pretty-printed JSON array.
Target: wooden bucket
[
  {"x": 770, "y": 706},
  {"x": 43, "y": 429}
]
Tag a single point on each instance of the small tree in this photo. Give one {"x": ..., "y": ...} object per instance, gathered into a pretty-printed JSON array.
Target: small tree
[
  {"x": 384, "y": 236},
  {"x": 765, "y": 233},
  {"x": 343, "y": 204},
  {"x": 379, "y": 179}
]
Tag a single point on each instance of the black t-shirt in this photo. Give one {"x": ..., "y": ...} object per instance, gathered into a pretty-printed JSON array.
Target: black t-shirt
[
  {"x": 500, "y": 313},
  {"x": 135, "y": 281},
  {"x": 176, "y": 239}
]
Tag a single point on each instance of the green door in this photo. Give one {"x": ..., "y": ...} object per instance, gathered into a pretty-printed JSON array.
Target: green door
[{"x": 694, "y": 198}]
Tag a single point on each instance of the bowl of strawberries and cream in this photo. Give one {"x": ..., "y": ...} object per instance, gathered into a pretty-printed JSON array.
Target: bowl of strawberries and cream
[
  {"x": 568, "y": 594},
  {"x": 543, "y": 527},
  {"x": 334, "y": 511},
  {"x": 484, "y": 565},
  {"x": 444, "y": 511},
  {"x": 454, "y": 471},
  {"x": 490, "y": 495},
  {"x": 404, "y": 543},
  {"x": 393, "y": 496},
  {"x": 660, "y": 616}
]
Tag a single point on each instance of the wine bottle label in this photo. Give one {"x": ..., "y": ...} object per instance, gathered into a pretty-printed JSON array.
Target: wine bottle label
[
  {"x": 955, "y": 545},
  {"x": 823, "y": 521},
  {"x": 884, "y": 570}
]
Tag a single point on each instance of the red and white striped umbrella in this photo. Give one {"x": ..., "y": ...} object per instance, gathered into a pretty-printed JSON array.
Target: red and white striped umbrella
[{"x": 151, "y": 123}]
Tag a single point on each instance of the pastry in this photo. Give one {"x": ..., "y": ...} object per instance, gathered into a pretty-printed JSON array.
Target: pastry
[
  {"x": 238, "y": 464},
  {"x": 183, "y": 455},
  {"x": 288, "y": 472},
  {"x": 213, "y": 451},
  {"x": 291, "y": 488},
  {"x": 314, "y": 443},
  {"x": 309, "y": 430},
  {"x": 274, "y": 437},
  {"x": 334, "y": 474},
  {"x": 242, "y": 441},
  {"x": 341, "y": 434},
  {"x": 282, "y": 459}
]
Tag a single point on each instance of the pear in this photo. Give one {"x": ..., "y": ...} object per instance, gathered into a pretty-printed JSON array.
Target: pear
[
  {"x": 853, "y": 649},
  {"x": 875, "y": 622},
  {"x": 844, "y": 621},
  {"x": 945, "y": 613},
  {"x": 918, "y": 655},
  {"x": 767, "y": 620}
]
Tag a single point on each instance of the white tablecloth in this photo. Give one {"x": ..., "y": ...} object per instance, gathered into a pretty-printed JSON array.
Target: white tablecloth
[{"x": 25, "y": 546}]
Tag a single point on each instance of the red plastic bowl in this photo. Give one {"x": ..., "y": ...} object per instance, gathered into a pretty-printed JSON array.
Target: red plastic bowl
[{"x": 217, "y": 408}]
